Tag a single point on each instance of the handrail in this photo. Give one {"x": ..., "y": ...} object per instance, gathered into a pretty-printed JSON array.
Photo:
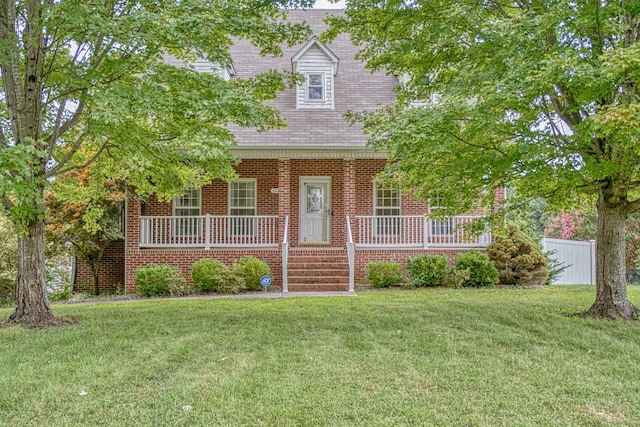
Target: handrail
[
  {"x": 351, "y": 252},
  {"x": 285, "y": 255}
]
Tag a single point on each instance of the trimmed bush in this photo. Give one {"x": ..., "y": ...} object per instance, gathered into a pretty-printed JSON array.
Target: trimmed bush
[
  {"x": 518, "y": 258},
  {"x": 251, "y": 269},
  {"x": 230, "y": 283},
  {"x": 457, "y": 278},
  {"x": 384, "y": 274},
  {"x": 208, "y": 275},
  {"x": 158, "y": 280},
  {"x": 482, "y": 272},
  {"x": 427, "y": 270}
]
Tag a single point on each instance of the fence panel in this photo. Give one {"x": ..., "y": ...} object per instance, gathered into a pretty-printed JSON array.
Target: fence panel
[{"x": 580, "y": 257}]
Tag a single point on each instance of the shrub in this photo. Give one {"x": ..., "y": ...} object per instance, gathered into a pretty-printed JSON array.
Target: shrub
[
  {"x": 457, "y": 278},
  {"x": 251, "y": 269},
  {"x": 482, "y": 272},
  {"x": 230, "y": 283},
  {"x": 427, "y": 270},
  {"x": 554, "y": 267},
  {"x": 383, "y": 274},
  {"x": 7, "y": 286},
  {"x": 158, "y": 280},
  {"x": 208, "y": 275},
  {"x": 60, "y": 294},
  {"x": 518, "y": 258}
]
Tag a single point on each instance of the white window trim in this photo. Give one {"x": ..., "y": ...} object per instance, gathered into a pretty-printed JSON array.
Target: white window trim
[
  {"x": 375, "y": 198},
  {"x": 375, "y": 230},
  {"x": 174, "y": 207},
  {"x": 324, "y": 87},
  {"x": 255, "y": 199},
  {"x": 193, "y": 226}
]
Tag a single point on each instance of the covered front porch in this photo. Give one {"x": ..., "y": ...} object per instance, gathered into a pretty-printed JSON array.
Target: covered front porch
[
  {"x": 387, "y": 236},
  {"x": 308, "y": 217}
]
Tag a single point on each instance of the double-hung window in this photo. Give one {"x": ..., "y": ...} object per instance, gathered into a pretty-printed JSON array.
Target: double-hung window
[
  {"x": 315, "y": 87},
  {"x": 242, "y": 204},
  {"x": 186, "y": 209},
  {"x": 387, "y": 210}
]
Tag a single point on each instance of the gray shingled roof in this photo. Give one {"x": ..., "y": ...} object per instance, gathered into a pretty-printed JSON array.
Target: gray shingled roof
[{"x": 355, "y": 88}]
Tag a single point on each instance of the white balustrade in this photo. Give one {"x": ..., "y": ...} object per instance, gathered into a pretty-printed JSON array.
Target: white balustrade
[
  {"x": 416, "y": 231},
  {"x": 208, "y": 231}
]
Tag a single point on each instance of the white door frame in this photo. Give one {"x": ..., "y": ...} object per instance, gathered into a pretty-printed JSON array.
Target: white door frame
[{"x": 302, "y": 202}]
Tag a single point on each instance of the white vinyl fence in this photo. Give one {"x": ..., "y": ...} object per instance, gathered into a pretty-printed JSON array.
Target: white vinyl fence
[{"x": 580, "y": 257}]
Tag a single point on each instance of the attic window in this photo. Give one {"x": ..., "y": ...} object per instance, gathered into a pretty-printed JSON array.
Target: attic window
[{"x": 315, "y": 87}]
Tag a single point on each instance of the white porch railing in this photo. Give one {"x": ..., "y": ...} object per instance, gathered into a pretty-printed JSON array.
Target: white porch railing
[
  {"x": 416, "y": 231},
  {"x": 351, "y": 256},
  {"x": 208, "y": 231},
  {"x": 285, "y": 256}
]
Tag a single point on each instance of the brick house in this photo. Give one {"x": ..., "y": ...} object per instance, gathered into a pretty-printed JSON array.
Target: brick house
[{"x": 305, "y": 200}]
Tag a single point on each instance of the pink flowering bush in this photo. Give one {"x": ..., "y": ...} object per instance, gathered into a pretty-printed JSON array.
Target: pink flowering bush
[{"x": 576, "y": 226}]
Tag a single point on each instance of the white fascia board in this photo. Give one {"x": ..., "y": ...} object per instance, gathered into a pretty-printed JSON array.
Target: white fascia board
[{"x": 306, "y": 152}]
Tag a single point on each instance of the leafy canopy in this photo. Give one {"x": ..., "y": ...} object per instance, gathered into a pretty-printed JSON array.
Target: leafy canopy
[
  {"x": 541, "y": 95},
  {"x": 91, "y": 77}
]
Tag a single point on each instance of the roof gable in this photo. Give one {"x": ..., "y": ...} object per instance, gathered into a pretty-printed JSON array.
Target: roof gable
[{"x": 310, "y": 44}]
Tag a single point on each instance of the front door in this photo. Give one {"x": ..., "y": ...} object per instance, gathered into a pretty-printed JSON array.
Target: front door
[{"x": 315, "y": 209}]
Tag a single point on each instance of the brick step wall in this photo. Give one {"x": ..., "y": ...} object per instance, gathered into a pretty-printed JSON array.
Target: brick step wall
[{"x": 318, "y": 272}]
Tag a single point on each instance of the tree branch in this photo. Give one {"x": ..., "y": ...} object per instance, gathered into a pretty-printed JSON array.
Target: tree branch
[{"x": 85, "y": 164}]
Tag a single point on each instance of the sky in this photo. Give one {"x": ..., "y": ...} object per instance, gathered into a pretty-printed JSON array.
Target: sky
[{"x": 324, "y": 4}]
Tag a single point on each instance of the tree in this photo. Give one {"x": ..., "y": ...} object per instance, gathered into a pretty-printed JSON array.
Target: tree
[
  {"x": 8, "y": 260},
  {"x": 85, "y": 214},
  {"x": 538, "y": 95},
  {"x": 92, "y": 74}
]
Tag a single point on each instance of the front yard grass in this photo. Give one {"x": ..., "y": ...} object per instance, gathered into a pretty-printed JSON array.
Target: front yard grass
[{"x": 488, "y": 357}]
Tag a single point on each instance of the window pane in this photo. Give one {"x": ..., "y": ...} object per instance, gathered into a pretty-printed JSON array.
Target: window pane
[
  {"x": 315, "y": 79},
  {"x": 315, "y": 93}
]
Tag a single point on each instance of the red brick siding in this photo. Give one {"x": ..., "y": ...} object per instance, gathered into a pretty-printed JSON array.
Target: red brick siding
[{"x": 111, "y": 274}]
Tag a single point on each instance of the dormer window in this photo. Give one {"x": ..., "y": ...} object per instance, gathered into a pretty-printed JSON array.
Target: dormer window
[
  {"x": 315, "y": 87},
  {"x": 319, "y": 66}
]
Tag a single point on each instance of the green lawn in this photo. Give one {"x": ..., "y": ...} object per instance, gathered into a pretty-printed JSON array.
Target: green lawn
[{"x": 492, "y": 357}]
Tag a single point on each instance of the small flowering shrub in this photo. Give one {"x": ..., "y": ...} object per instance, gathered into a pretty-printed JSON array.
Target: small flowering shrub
[{"x": 384, "y": 274}]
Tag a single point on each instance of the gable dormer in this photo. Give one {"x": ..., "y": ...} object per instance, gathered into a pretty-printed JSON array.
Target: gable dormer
[
  {"x": 318, "y": 65},
  {"x": 204, "y": 66}
]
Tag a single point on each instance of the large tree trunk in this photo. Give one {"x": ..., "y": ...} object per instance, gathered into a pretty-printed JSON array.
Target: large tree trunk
[
  {"x": 611, "y": 285},
  {"x": 32, "y": 304}
]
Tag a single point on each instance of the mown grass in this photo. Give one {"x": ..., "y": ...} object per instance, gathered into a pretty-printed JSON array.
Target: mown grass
[{"x": 494, "y": 357}]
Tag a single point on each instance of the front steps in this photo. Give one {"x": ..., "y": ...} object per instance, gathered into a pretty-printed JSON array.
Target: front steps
[{"x": 318, "y": 270}]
